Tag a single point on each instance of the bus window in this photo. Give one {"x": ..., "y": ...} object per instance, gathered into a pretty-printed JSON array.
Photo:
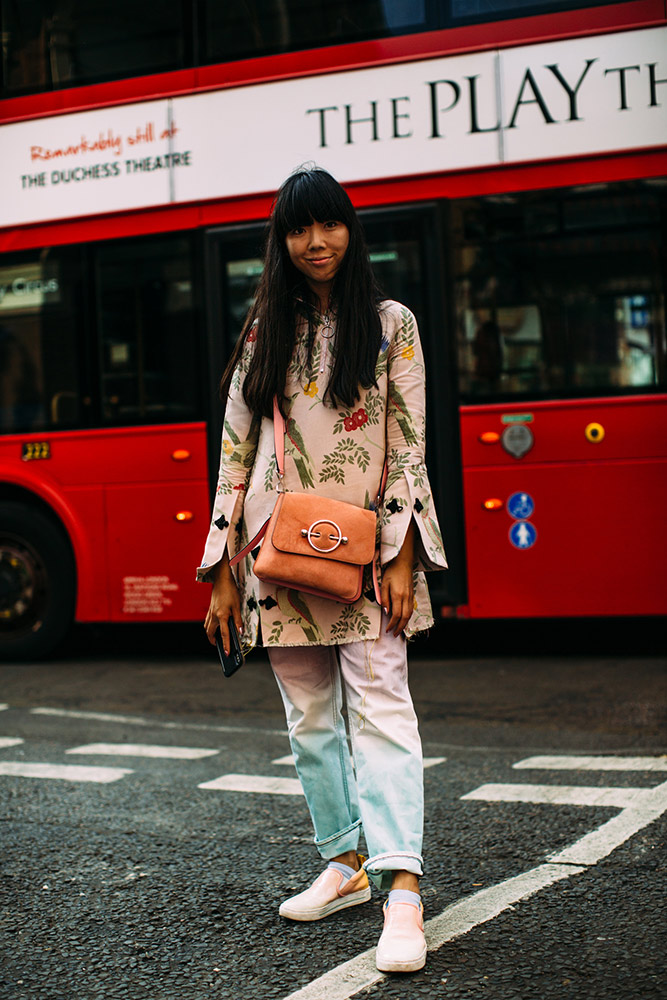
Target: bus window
[
  {"x": 232, "y": 31},
  {"x": 146, "y": 323},
  {"x": 40, "y": 320},
  {"x": 559, "y": 293},
  {"x": 242, "y": 278},
  {"x": 49, "y": 44}
]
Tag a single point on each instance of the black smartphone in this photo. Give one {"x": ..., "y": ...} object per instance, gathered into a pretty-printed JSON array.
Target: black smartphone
[{"x": 230, "y": 663}]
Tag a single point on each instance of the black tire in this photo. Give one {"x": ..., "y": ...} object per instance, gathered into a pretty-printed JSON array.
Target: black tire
[{"x": 37, "y": 582}]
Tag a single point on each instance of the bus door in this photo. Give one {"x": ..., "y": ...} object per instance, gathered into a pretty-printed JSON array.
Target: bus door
[{"x": 405, "y": 250}]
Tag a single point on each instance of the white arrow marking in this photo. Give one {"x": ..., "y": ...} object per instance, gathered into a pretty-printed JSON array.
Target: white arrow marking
[
  {"x": 9, "y": 741},
  {"x": 455, "y": 920},
  {"x": 601, "y": 842},
  {"x": 459, "y": 918}
]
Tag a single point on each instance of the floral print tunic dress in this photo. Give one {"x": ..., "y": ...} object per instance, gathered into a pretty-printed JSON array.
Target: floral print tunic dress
[{"x": 337, "y": 453}]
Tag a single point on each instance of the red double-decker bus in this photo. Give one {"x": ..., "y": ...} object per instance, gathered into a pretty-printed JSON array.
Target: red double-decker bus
[{"x": 510, "y": 169}]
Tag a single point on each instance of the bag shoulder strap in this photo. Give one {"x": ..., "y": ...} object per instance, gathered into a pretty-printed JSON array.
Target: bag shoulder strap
[{"x": 279, "y": 431}]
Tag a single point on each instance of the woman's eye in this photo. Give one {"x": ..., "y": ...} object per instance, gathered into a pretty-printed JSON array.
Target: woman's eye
[
  {"x": 298, "y": 231},
  {"x": 331, "y": 224}
]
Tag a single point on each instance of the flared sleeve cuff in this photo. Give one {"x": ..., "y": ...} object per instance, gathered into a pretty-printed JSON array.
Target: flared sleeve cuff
[
  {"x": 224, "y": 531},
  {"x": 408, "y": 496}
]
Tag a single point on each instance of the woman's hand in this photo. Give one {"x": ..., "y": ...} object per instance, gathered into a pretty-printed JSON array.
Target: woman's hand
[
  {"x": 397, "y": 589},
  {"x": 225, "y": 602}
]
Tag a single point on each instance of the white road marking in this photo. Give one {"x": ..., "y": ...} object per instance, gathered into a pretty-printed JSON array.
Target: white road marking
[
  {"x": 254, "y": 783},
  {"x": 561, "y": 795},
  {"x": 601, "y": 842},
  {"x": 349, "y": 978},
  {"x": 143, "y": 750},
  {"x": 558, "y": 762},
  {"x": 459, "y": 918},
  {"x": 66, "y": 772},
  {"x": 9, "y": 741},
  {"x": 289, "y": 759},
  {"x": 137, "y": 720},
  {"x": 4, "y": 707}
]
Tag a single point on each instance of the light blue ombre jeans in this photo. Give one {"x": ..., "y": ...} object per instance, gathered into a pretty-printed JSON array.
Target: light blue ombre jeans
[{"x": 368, "y": 681}]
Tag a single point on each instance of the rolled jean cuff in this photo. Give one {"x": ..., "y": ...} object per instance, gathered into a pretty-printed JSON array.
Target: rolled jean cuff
[
  {"x": 339, "y": 843},
  {"x": 381, "y": 867}
]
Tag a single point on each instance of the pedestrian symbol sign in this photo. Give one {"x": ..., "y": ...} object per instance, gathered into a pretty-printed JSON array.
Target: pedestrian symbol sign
[
  {"x": 523, "y": 534},
  {"x": 520, "y": 506}
]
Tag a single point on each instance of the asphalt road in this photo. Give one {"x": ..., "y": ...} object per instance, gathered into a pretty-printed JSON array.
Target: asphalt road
[{"x": 146, "y": 876}]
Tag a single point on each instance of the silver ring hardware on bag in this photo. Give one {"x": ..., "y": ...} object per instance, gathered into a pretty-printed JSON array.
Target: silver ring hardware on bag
[{"x": 339, "y": 539}]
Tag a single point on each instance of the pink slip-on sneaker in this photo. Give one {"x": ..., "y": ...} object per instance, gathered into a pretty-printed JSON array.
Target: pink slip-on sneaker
[
  {"x": 402, "y": 945},
  {"x": 331, "y": 891}
]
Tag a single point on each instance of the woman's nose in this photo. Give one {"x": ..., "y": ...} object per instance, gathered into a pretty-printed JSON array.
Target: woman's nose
[{"x": 317, "y": 235}]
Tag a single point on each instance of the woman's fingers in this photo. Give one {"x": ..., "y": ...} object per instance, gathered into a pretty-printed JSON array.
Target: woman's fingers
[
  {"x": 224, "y": 634},
  {"x": 404, "y": 617},
  {"x": 211, "y": 626},
  {"x": 225, "y": 604},
  {"x": 399, "y": 606}
]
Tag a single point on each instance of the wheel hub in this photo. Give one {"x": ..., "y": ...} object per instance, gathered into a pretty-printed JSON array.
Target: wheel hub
[{"x": 19, "y": 585}]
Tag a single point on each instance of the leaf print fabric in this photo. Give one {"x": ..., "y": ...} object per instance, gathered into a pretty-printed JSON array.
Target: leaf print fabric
[
  {"x": 408, "y": 491},
  {"x": 338, "y": 453}
]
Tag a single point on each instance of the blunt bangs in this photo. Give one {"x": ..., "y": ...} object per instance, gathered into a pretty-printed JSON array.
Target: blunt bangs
[{"x": 311, "y": 196}]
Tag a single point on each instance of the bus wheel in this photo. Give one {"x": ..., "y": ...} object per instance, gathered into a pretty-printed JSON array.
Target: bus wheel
[{"x": 37, "y": 582}]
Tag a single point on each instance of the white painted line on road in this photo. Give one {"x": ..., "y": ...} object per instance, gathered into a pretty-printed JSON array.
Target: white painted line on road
[
  {"x": 561, "y": 762},
  {"x": 4, "y": 707},
  {"x": 594, "y": 846},
  {"x": 561, "y": 795},
  {"x": 9, "y": 741},
  {"x": 254, "y": 783},
  {"x": 143, "y": 750},
  {"x": 349, "y": 978},
  {"x": 66, "y": 772},
  {"x": 137, "y": 720},
  {"x": 459, "y": 918},
  {"x": 289, "y": 759}
]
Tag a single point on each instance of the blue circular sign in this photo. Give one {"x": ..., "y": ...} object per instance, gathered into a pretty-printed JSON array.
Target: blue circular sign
[
  {"x": 520, "y": 506},
  {"x": 523, "y": 534}
]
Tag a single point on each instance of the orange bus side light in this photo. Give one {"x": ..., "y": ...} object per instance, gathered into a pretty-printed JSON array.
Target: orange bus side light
[
  {"x": 493, "y": 503},
  {"x": 184, "y": 515},
  {"x": 489, "y": 437},
  {"x": 180, "y": 455}
]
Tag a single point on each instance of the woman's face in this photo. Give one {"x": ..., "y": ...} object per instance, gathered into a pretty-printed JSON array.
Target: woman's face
[{"x": 317, "y": 251}]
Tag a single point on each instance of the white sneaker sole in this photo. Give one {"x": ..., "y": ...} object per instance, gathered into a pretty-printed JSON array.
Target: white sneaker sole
[
  {"x": 319, "y": 912},
  {"x": 387, "y": 965}
]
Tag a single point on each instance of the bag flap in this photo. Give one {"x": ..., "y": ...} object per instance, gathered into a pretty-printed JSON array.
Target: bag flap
[{"x": 305, "y": 524}]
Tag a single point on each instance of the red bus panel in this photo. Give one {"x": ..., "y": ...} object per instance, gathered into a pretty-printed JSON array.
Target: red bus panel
[
  {"x": 573, "y": 522},
  {"x": 117, "y": 493}
]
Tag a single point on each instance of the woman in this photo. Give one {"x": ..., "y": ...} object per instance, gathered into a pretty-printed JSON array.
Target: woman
[{"x": 348, "y": 372}]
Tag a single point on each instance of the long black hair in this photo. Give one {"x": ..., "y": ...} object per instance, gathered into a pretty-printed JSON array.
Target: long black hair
[{"x": 283, "y": 297}]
